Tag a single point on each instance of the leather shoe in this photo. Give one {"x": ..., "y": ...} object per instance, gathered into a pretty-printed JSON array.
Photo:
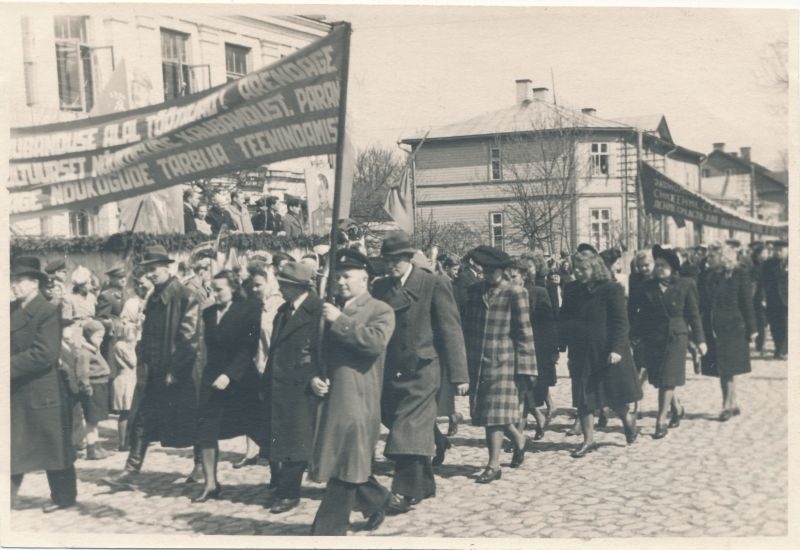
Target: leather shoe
[
  {"x": 489, "y": 475},
  {"x": 397, "y": 505},
  {"x": 519, "y": 455},
  {"x": 126, "y": 481},
  {"x": 737, "y": 411},
  {"x": 214, "y": 494},
  {"x": 583, "y": 450},
  {"x": 52, "y": 507},
  {"x": 602, "y": 420},
  {"x": 661, "y": 432},
  {"x": 284, "y": 505},
  {"x": 631, "y": 431},
  {"x": 675, "y": 417},
  {"x": 539, "y": 434},
  {"x": 375, "y": 520},
  {"x": 246, "y": 461},
  {"x": 438, "y": 460},
  {"x": 725, "y": 415}
]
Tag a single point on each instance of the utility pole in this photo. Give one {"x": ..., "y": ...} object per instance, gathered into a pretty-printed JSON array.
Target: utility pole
[{"x": 640, "y": 216}]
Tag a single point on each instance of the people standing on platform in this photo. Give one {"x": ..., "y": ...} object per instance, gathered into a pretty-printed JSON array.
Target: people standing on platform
[
  {"x": 775, "y": 281},
  {"x": 267, "y": 218},
  {"x": 354, "y": 347},
  {"x": 228, "y": 402},
  {"x": 165, "y": 400},
  {"x": 293, "y": 223},
  {"x": 593, "y": 326},
  {"x": 39, "y": 401},
  {"x": 290, "y": 404},
  {"x": 191, "y": 200},
  {"x": 219, "y": 216},
  {"x": 726, "y": 307},
  {"x": 500, "y": 356},
  {"x": 667, "y": 309},
  {"x": 239, "y": 212},
  {"x": 200, "y": 220},
  {"x": 427, "y": 339}
]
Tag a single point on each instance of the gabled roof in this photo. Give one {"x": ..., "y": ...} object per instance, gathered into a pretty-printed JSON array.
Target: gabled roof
[
  {"x": 775, "y": 180},
  {"x": 534, "y": 115},
  {"x": 654, "y": 124}
]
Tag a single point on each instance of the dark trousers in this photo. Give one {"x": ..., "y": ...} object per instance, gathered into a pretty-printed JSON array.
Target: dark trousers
[
  {"x": 63, "y": 485},
  {"x": 290, "y": 478},
  {"x": 439, "y": 439},
  {"x": 779, "y": 327},
  {"x": 761, "y": 323},
  {"x": 413, "y": 476},
  {"x": 138, "y": 441},
  {"x": 333, "y": 514}
]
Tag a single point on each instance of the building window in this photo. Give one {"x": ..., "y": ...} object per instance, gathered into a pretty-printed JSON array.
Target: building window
[
  {"x": 495, "y": 164},
  {"x": 236, "y": 61},
  {"x": 79, "y": 223},
  {"x": 497, "y": 230},
  {"x": 599, "y": 159},
  {"x": 175, "y": 64},
  {"x": 706, "y": 173},
  {"x": 73, "y": 64},
  {"x": 600, "y": 227}
]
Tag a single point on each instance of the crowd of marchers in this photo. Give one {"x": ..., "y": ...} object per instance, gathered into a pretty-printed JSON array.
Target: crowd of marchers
[{"x": 212, "y": 353}]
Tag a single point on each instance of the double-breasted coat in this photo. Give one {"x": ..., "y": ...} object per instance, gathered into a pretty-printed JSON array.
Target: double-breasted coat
[
  {"x": 593, "y": 323},
  {"x": 231, "y": 343},
  {"x": 499, "y": 339},
  {"x": 40, "y": 404},
  {"x": 728, "y": 321},
  {"x": 290, "y": 403},
  {"x": 169, "y": 345},
  {"x": 350, "y": 414},
  {"x": 427, "y": 337},
  {"x": 663, "y": 321}
]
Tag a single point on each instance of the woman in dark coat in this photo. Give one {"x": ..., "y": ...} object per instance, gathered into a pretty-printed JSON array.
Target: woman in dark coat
[
  {"x": 641, "y": 271},
  {"x": 40, "y": 407},
  {"x": 594, "y": 327},
  {"x": 726, "y": 308},
  {"x": 228, "y": 401},
  {"x": 667, "y": 307}
]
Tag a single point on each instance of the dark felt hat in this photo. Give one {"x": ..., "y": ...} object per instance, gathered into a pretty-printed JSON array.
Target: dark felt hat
[
  {"x": 611, "y": 255},
  {"x": 583, "y": 247},
  {"x": 755, "y": 244},
  {"x": 779, "y": 243},
  {"x": 734, "y": 243},
  {"x": 28, "y": 266},
  {"x": 117, "y": 271},
  {"x": 55, "y": 265},
  {"x": 295, "y": 273},
  {"x": 668, "y": 255},
  {"x": 349, "y": 258},
  {"x": 278, "y": 257},
  {"x": 490, "y": 257},
  {"x": 396, "y": 243},
  {"x": 155, "y": 255}
]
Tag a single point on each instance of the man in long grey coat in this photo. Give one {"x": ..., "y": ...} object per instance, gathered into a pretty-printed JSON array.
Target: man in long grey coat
[
  {"x": 349, "y": 419},
  {"x": 428, "y": 330}
]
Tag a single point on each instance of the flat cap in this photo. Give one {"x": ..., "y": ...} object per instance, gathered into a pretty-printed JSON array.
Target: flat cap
[
  {"x": 349, "y": 258},
  {"x": 586, "y": 247}
]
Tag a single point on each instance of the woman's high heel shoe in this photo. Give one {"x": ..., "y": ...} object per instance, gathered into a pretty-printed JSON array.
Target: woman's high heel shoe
[
  {"x": 631, "y": 431},
  {"x": 584, "y": 450},
  {"x": 213, "y": 494},
  {"x": 519, "y": 455},
  {"x": 675, "y": 417},
  {"x": 661, "y": 432},
  {"x": 489, "y": 475},
  {"x": 246, "y": 461}
]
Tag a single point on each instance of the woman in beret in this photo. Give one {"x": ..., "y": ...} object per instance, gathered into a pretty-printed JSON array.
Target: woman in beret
[
  {"x": 594, "y": 328},
  {"x": 500, "y": 356},
  {"x": 667, "y": 307},
  {"x": 726, "y": 307}
]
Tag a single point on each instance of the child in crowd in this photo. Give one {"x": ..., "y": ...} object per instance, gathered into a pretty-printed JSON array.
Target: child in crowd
[{"x": 92, "y": 373}]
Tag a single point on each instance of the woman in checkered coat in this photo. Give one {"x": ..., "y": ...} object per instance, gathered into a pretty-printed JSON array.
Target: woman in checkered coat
[{"x": 500, "y": 356}]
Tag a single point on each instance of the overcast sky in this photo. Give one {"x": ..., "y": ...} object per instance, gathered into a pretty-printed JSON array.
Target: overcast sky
[{"x": 416, "y": 67}]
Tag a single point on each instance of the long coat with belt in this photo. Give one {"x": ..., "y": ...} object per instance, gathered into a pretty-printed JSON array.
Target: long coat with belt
[
  {"x": 593, "y": 323},
  {"x": 427, "y": 332},
  {"x": 728, "y": 320},
  {"x": 40, "y": 406},
  {"x": 231, "y": 343},
  {"x": 350, "y": 414},
  {"x": 663, "y": 320},
  {"x": 290, "y": 403},
  {"x": 499, "y": 339},
  {"x": 173, "y": 420}
]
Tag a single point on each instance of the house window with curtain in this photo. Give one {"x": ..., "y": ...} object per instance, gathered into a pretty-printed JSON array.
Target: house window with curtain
[
  {"x": 175, "y": 64},
  {"x": 495, "y": 164},
  {"x": 74, "y": 64},
  {"x": 599, "y": 159},
  {"x": 79, "y": 223},
  {"x": 600, "y": 228},
  {"x": 496, "y": 230},
  {"x": 236, "y": 61}
]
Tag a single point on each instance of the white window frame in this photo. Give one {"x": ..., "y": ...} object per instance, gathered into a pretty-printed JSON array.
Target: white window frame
[
  {"x": 76, "y": 219},
  {"x": 231, "y": 72},
  {"x": 498, "y": 158},
  {"x": 78, "y": 47},
  {"x": 600, "y": 159},
  {"x": 187, "y": 82},
  {"x": 600, "y": 227},
  {"x": 497, "y": 221}
]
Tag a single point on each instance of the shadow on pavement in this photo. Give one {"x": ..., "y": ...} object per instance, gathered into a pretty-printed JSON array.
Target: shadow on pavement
[
  {"x": 211, "y": 524},
  {"x": 456, "y": 470}
]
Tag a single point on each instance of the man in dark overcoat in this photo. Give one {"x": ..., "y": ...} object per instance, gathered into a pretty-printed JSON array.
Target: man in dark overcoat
[
  {"x": 469, "y": 274},
  {"x": 775, "y": 282},
  {"x": 427, "y": 332},
  {"x": 349, "y": 417},
  {"x": 165, "y": 400},
  {"x": 291, "y": 405},
  {"x": 293, "y": 220},
  {"x": 40, "y": 407}
]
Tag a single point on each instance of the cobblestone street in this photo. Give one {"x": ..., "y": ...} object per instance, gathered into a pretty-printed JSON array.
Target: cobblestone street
[{"x": 704, "y": 479}]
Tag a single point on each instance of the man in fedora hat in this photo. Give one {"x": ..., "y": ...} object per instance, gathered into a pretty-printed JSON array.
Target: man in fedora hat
[
  {"x": 427, "y": 339},
  {"x": 291, "y": 410},
  {"x": 165, "y": 401},
  {"x": 57, "y": 271},
  {"x": 349, "y": 417},
  {"x": 40, "y": 409}
]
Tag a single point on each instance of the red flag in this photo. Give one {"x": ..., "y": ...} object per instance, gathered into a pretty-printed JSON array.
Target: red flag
[{"x": 400, "y": 203}]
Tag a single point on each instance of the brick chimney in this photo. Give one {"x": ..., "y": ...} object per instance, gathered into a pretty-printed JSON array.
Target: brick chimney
[
  {"x": 719, "y": 146},
  {"x": 745, "y": 153},
  {"x": 524, "y": 91},
  {"x": 591, "y": 111},
  {"x": 541, "y": 94},
  {"x": 733, "y": 154}
]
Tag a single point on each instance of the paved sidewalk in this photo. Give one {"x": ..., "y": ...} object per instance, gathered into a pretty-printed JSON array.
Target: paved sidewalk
[{"x": 704, "y": 479}]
